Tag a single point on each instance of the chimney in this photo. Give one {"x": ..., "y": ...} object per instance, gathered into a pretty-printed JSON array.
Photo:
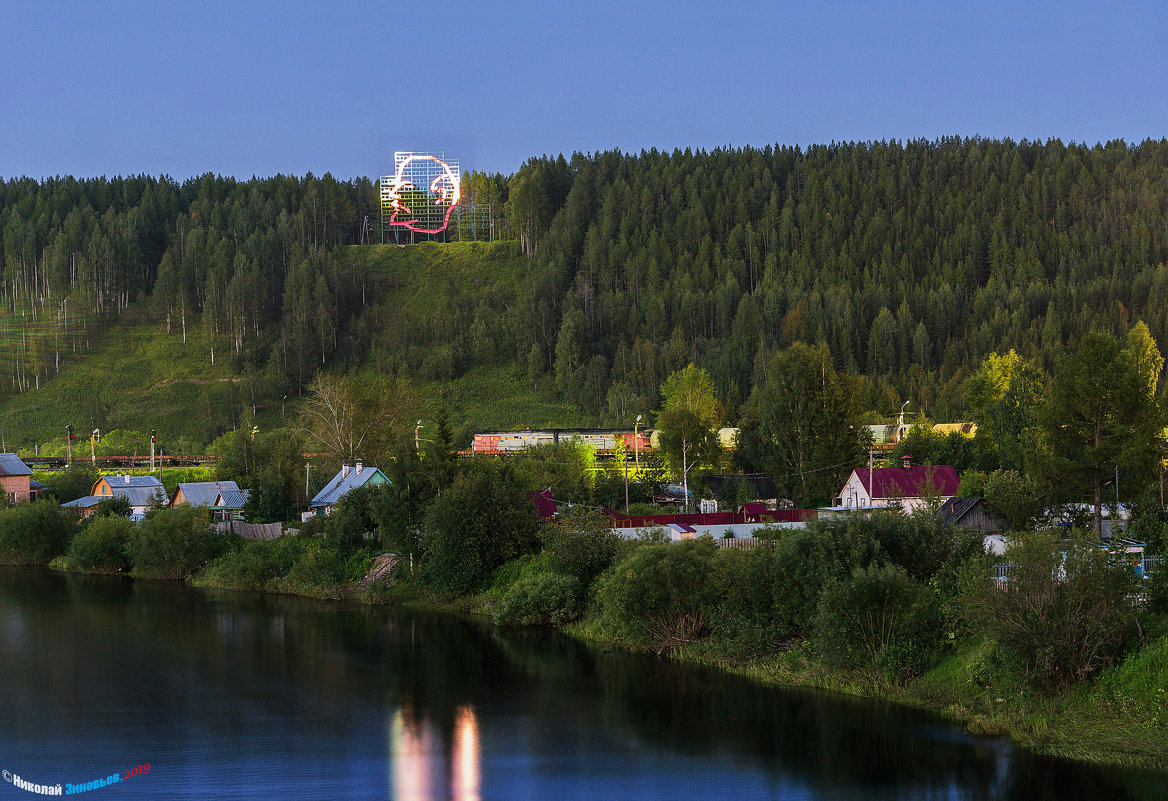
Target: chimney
[
  {"x": 359, "y": 467},
  {"x": 344, "y": 471},
  {"x": 906, "y": 460}
]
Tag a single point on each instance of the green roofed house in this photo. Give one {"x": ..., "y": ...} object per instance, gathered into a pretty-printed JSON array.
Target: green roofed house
[{"x": 346, "y": 479}]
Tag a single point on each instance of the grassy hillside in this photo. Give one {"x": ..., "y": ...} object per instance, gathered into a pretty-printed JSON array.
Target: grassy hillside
[{"x": 137, "y": 377}]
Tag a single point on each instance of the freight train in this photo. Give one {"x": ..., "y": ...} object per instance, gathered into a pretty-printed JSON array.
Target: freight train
[{"x": 604, "y": 441}]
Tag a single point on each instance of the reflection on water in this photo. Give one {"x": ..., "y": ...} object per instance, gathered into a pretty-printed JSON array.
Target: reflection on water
[
  {"x": 424, "y": 766},
  {"x": 246, "y": 696}
]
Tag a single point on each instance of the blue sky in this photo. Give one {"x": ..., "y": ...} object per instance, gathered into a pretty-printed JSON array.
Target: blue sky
[{"x": 245, "y": 88}]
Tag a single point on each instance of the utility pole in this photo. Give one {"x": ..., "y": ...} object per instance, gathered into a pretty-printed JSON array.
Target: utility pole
[
  {"x": 153, "y": 441},
  {"x": 871, "y": 489},
  {"x": 94, "y": 437},
  {"x": 625, "y": 462}
]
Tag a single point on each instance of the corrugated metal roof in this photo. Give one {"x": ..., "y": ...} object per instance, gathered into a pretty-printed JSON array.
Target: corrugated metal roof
[
  {"x": 204, "y": 493},
  {"x": 85, "y": 502},
  {"x": 142, "y": 496},
  {"x": 231, "y": 498},
  {"x": 138, "y": 490},
  {"x": 956, "y": 508},
  {"x": 342, "y": 483},
  {"x": 896, "y": 482},
  {"x": 10, "y": 465}
]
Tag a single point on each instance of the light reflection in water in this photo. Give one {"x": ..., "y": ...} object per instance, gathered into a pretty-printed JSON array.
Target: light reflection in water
[
  {"x": 421, "y": 763},
  {"x": 465, "y": 778}
]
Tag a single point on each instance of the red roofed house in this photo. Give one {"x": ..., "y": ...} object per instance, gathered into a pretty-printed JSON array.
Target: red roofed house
[
  {"x": 544, "y": 504},
  {"x": 909, "y": 487}
]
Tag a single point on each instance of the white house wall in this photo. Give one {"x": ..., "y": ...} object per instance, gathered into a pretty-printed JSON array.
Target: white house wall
[{"x": 740, "y": 530}]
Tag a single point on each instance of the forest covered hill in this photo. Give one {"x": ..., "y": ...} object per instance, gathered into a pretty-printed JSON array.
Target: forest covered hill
[{"x": 194, "y": 303}]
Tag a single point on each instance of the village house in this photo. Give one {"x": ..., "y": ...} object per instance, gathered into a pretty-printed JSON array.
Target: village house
[
  {"x": 142, "y": 492},
  {"x": 909, "y": 487},
  {"x": 224, "y": 498},
  {"x": 971, "y": 514},
  {"x": 347, "y": 478},
  {"x": 16, "y": 479}
]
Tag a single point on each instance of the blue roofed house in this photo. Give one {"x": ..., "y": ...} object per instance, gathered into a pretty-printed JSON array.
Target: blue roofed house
[
  {"x": 347, "y": 478},
  {"x": 142, "y": 492},
  {"x": 224, "y": 498}
]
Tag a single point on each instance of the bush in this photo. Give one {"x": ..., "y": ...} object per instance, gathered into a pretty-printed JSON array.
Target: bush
[
  {"x": 1064, "y": 611},
  {"x": 806, "y": 559},
  {"x": 252, "y": 565},
  {"x": 118, "y": 505},
  {"x": 583, "y": 545},
  {"x": 173, "y": 543},
  {"x": 354, "y": 519},
  {"x": 70, "y": 484},
  {"x": 482, "y": 521},
  {"x": 540, "y": 600},
  {"x": 33, "y": 533},
  {"x": 1157, "y": 589},
  {"x": 660, "y": 594},
  {"x": 743, "y": 583},
  {"x": 324, "y": 570},
  {"x": 878, "y": 618},
  {"x": 100, "y": 546},
  {"x": 319, "y": 567}
]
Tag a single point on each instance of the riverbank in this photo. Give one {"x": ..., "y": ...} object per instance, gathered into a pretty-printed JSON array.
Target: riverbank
[
  {"x": 1109, "y": 722},
  {"x": 1120, "y": 719},
  {"x": 877, "y": 608}
]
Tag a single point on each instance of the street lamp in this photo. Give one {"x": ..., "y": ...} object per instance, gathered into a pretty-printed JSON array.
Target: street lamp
[{"x": 637, "y": 441}]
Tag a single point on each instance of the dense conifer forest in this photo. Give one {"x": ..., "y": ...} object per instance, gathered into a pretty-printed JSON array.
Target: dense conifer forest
[{"x": 910, "y": 262}]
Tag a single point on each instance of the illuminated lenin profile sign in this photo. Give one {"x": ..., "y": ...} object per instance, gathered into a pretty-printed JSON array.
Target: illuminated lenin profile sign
[{"x": 421, "y": 193}]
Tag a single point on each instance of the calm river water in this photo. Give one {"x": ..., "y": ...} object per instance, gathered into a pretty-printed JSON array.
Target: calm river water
[{"x": 228, "y": 695}]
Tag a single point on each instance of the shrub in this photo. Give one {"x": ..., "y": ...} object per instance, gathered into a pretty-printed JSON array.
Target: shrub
[
  {"x": 1157, "y": 589},
  {"x": 117, "y": 505},
  {"x": 660, "y": 594},
  {"x": 743, "y": 583},
  {"x": 482, "y": 521},
  {"x": 70, "y": 484},
  {"x": 100, "y": 546},
  {"x": 539, "y": 600},
  {"x": 253, "y": 564},
  {"x": 877, "y": 618},
  {"x": 33, "y": 533},
  {"x": 173, "y": 543},
  {"x": 583, "y": 545},
  {"x": 1064, "y": 611},
  {"x": 805, "y": 560},
  {"x": 353, "y": 519},
  {"x": 318, "y": 568}
]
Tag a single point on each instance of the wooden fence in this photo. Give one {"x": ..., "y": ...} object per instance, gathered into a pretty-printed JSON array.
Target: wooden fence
[{"x": 251, "y": 531}]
